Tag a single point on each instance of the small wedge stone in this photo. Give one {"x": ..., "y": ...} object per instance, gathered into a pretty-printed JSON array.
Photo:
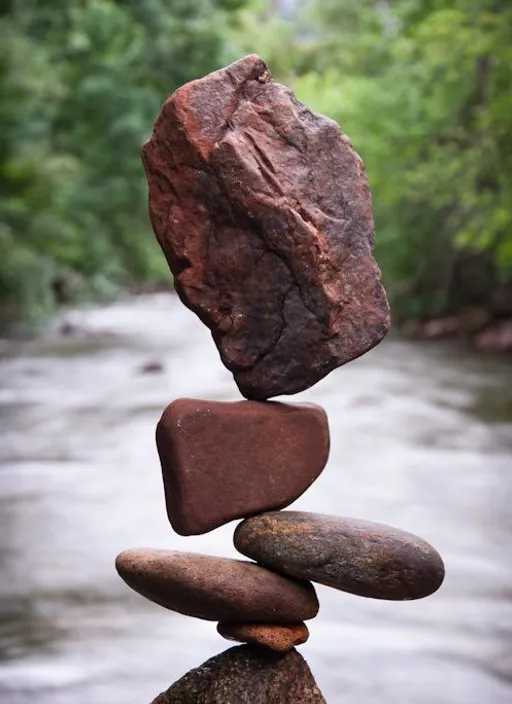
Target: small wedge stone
[
  {"x": 279, "y": 638},
  {"x": 222, "y": 461},
  {"x": 216, "y": 588},
  {"x": 363, "y": 558}
]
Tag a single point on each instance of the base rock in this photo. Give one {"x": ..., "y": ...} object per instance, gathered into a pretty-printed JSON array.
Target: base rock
[{"x": 246, "y": 675}]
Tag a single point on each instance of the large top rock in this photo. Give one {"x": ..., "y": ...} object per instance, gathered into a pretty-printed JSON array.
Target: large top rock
[{"x": 263, "y": 211}]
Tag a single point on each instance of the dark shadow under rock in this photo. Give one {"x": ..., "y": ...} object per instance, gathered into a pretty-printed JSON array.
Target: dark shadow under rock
[{"x": 246, "y": 675}]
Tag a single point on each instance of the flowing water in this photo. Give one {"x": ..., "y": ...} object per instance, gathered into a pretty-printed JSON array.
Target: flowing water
[{"x": 421, "y": 439}]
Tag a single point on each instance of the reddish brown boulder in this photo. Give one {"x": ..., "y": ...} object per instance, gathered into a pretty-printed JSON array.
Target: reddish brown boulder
[
  {"x": 216, "y": 588},
  {"x": 361, "y": 557},
  {"x": 246, "y": 675},
  {"x": 263, "y": 211},
  {"x": 222, "y": 461},
  {"x": 280, "y": 638}
]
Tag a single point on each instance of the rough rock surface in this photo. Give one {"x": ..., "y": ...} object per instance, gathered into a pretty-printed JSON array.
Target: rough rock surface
[
  {"x": 222, "y": 461},
  {"x": 363, "y": 558},
  {"x": 263, "y": 211},
  {"x": 279, "y": 638},
  {"x": 246, "y": 675},
  {"x": 216, "y": 588}
]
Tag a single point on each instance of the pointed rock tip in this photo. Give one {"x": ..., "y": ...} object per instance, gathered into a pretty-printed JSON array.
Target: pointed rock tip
[
  {"x": 250, "y": 67},
  {"x": 126, "y": 559}
]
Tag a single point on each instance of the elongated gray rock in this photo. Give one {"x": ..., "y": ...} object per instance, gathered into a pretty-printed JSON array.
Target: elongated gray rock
[
  {"x": 222, "y": 461},
  {"x": 363, "y": 558},
  {"x": 216, "y": 588},
  {"x": 263, "y": 211},
  {"x": 246, "y": 675}
]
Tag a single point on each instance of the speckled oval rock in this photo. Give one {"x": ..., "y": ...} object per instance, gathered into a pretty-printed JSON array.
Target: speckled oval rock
[
  {"x": 363, "y": 558},
  {"x": 280, "y": 638},
  {"x": 216, "y": 588}
]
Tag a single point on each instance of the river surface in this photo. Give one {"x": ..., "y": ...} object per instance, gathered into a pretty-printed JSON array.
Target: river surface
[{"x": 421, "y": 439}]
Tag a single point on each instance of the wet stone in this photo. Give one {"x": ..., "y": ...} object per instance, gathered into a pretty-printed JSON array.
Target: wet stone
[
  {"x": 360, "y": 557},
  {"x": 216, "y": 588},
  {"x": 264, "y": 213},
  {"x": 222, "y": 461},
  {"x": 247, "y": 675},
  {"x": 279, "y": 638}
]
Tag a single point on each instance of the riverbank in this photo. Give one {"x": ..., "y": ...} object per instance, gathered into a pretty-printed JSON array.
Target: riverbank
[{"x": 474, "y": 328}]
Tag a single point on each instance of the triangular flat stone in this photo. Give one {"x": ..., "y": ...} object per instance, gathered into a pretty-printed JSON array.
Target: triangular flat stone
[
  {"x": 363, "y": 558},
  {"x": 216, "y": 588},
  {"x": 222, "y": 461}
]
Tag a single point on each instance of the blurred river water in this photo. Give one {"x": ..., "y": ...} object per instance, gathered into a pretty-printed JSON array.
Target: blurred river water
[{"x": 421, "y": 439}]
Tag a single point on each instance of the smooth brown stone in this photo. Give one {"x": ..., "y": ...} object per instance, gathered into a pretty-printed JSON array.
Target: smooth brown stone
[
  {"x": 222, "y": 461},
  {"x": 264, "y": 213},
  {"x": 216, "y": 588},
  {"x": 247, "y": 675},
  {"x": 363, "y": 558},
  {"x": 279, "y": 638}
]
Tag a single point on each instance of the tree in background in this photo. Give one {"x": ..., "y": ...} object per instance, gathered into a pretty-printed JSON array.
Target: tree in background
[
  {"x": 81, "y": 83},
  {"x": 424, "y": 89}
]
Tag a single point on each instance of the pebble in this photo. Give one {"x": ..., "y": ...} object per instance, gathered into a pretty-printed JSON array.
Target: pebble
[
  {"x": 216, "y": 588},
  {"x": 280, "y": 638},
  {"x": 355, "y": 556}
]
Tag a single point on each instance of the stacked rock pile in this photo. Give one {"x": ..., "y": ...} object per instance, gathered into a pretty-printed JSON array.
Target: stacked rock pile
[{"x": 263, "y": 211}]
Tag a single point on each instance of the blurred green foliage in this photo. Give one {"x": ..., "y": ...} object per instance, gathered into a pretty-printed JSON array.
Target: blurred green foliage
[
  {"x": 424, "y": 90},
  {"x": 81, "y": 84}
]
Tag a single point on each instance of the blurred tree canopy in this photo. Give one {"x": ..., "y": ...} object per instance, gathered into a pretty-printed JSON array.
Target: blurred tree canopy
[
  {"x": 81, "y": 83},
  {"x": 424, "y": 90}
]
